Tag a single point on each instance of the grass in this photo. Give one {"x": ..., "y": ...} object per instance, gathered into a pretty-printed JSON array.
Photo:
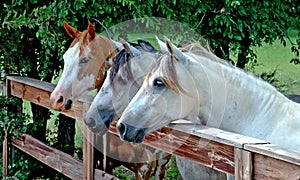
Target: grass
[{"x": 275, "y": 56}]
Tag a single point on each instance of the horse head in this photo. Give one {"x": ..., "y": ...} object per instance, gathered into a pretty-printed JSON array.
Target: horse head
[
  {"x": 85, "y": 64},
  {"x": 123, "y": 81},
  {"x": 165, "y": 96}
]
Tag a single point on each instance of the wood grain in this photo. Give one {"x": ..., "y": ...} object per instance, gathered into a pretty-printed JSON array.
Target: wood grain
[
  {"x": 224, "y": 151},
  {"x": 243, "y": 164},
  {"x": 270, "y": 168},
  {"x": 209, "y": 153},
  {"x": 54, "y": 158},
  {"x": 58, "y": 160}
]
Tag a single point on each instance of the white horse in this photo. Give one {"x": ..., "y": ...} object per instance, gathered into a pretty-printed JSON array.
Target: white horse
[
  {"x": 122, "y": 83},
  {"x": 118, "y": 88},
  {"x": 206, "y": 90}
]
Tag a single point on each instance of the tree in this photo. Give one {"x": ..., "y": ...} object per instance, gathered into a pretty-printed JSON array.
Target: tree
[{"x": 33, "y": 39}]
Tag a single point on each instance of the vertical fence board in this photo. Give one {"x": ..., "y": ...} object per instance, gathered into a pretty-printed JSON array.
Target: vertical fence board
[
  {"x": 6, "y": 92},
  {"x": 88, "y": 150},
  {"x": 5, "y": 154},
  {"x": 243, "y": 164}
]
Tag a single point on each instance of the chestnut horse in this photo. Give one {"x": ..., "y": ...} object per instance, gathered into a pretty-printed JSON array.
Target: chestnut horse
[{"x": 85, "y": 65}]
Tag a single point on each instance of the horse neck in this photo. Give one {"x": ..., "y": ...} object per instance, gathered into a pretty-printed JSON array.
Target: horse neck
[
  {"x": 107, "y": 53},
  {"x": 238, "y": 99}
]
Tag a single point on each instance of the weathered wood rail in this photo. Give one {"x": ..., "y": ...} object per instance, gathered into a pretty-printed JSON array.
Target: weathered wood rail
[
  {"x": 39, "y": 92},
  {"x": 244, "y": 157}
]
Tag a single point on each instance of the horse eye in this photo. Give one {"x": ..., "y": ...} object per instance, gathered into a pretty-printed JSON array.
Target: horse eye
[
  {"x": 158, "y": 82},
  {"x": 84, "y": 60}
]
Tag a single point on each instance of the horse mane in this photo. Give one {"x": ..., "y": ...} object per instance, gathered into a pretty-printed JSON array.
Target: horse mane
[
  {"x": 199, "y": 50},
  {"x": 166, "y": 64},
  {"x": 122, "y": 58}
]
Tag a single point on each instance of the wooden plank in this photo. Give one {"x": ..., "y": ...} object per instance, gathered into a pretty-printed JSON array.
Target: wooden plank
[
  {"x": 88, "y": 151},
  {"x": 287, "y": 155},
  {"x": 42, "y": 85},
  {"x": 270, "y": 168},
  {"x": 209, "y": 153},
  {"x": 209, "y": 146},
  {"x": 101, "y": 175},
  {"x": 5, "y": 155},
  {"x": 52, "y": 157},
  {"x": 32, "y": 82},
  {"x": 243, "y": 164},
  {"x": 6, "y": 92},
  {"x": 88, "y": 154},
  {"x": 60, "y": 161},
  {"x": 42, "y": 98},
  {"x": 215, "y": 134}
]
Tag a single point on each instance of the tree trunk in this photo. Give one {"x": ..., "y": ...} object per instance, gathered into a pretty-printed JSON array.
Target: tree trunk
[
  {"x": 40, "y": 117},
  {"x": 242, "y": 57},
  {"x": 65, "y": 134}
]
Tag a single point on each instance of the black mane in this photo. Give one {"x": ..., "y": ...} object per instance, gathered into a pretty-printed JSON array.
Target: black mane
[{"x": 123, "y": 57}]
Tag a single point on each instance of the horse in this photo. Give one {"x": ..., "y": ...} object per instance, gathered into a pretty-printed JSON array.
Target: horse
[
  {"x": 119, "y": 86},
  {"x": 85, "y": 65},
  {"x": 123, "y": 81},
  {"x": 206, "y": 90}
]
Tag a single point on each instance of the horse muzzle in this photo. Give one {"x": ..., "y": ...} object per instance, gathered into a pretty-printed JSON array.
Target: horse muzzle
[
  {"x": 106, "y": 117},
  {"x": 130, "y": 133},
  {"x": 59, "y": 102},
  {"x": 91, "y": 123}
]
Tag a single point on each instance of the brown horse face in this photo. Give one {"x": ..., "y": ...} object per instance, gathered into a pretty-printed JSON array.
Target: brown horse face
[{"x": 83, "y": 63}]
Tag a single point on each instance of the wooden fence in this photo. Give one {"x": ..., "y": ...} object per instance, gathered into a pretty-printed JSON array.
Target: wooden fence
[{"x": 244, "y": 157}]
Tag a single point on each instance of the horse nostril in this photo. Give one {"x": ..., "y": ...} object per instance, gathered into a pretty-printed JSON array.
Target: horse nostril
[
  {"x": 90, "y": 122},
  {"x": 68, "y": 104},
  {"x": 60, "y": 100},
  {"x": 140, "y": 135},
  {"x": 121, "y": 128}
]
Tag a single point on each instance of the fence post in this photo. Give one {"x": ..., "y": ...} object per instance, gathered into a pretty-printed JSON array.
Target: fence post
[
  {"x": 5, "y": 149},
  {"x": 6, "y": 92},
  {"x": 243, "y": 164},
  {"x": 88, "y": 151}
]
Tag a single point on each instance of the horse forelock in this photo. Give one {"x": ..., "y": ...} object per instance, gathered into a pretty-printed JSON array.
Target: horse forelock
[
  {"x": 123, "y": 57},
  {"x": 83, "y": 41},
  {"x": 121, "y": 61},
  {"x": 165, "y": 66}
]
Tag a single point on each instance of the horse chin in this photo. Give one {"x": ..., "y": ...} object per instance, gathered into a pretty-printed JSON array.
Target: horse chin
[
  {"x": 99, "y": 130},
  {"x": 107, "y": 117}
]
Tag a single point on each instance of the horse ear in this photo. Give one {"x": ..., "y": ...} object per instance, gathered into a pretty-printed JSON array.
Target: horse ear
[
  {"x": 130, "y": 49},
  {"x": 162, "y": 45},
  {"x": 71, "y": 31},
  {"x": 174, "y": 51},
  {"x": 118, "y": 45},
  {"x": 91, "y": 31}
]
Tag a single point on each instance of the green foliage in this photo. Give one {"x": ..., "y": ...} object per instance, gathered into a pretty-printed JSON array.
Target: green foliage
[
  {"x": 172, "y": 172},
  {"x": 20, "y": 167},
  {"x": 122, "y": 173},
  {"x": 12, "y": 123},
  {"x": 33, "y": 38},
  {"x": 271, "y": 77}
]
